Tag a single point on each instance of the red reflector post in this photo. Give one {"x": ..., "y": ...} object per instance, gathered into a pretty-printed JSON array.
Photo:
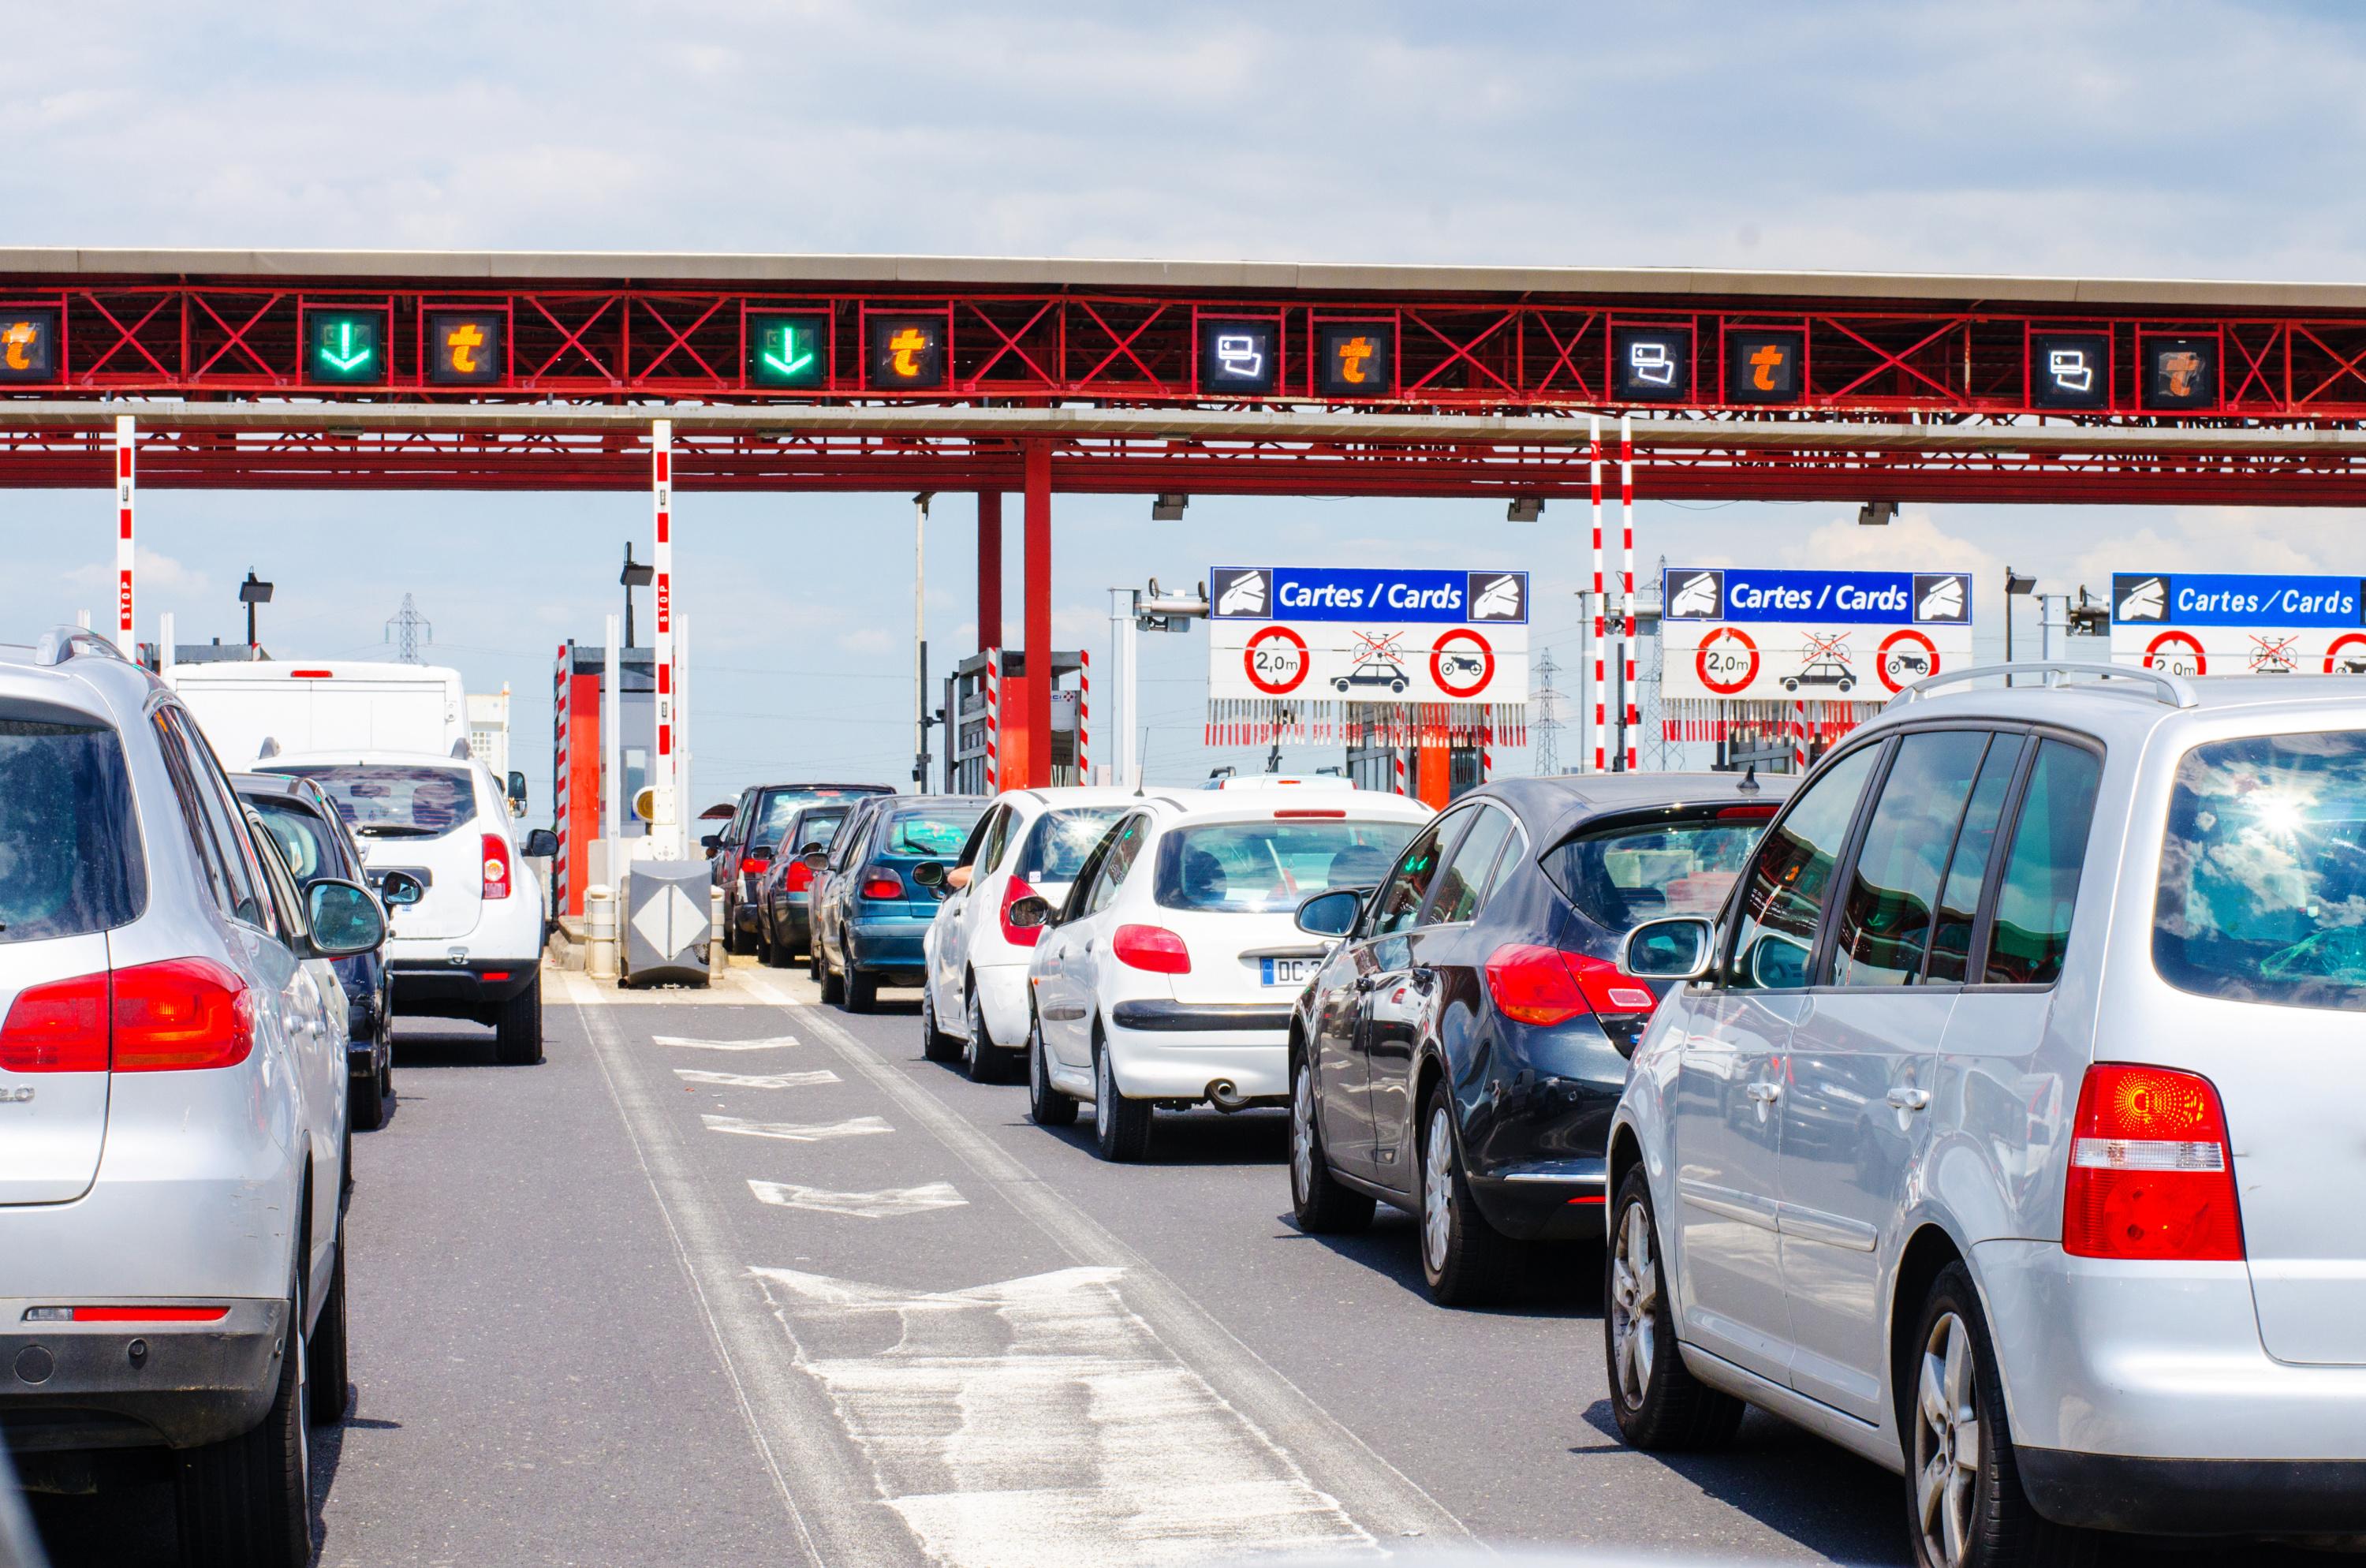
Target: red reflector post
[
  {"x": 181, "y": 1014},
  {"x": 60, "y": 1027},
  {"x": 2151, "y": 1174},
  {"x": 1153, "y": 949}
]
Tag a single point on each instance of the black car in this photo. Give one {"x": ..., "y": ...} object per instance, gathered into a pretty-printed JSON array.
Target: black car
[
  {"x": 784, "y": 892},
  {"x": 1460, "y": 1052},
  {"x": 743, "y": 850},
  {"x": 315, "y": 839}
]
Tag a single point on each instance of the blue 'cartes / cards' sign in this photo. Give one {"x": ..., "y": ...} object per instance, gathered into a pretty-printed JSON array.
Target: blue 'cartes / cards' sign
[
  {"x": 1818, "y": 598},
  {"x": 2230, "y": 599},
  {"x": 1417, "y": 595}
]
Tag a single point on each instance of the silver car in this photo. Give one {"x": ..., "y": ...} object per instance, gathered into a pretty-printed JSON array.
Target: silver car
[
  {"x": 2008, "y": 1130},
  {"x": 172, "y": 1110}
]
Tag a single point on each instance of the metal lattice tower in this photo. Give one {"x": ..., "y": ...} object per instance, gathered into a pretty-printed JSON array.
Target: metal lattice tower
[
  {"x": 1544, "y": 729},
  {"x": 407, "y": 629}
]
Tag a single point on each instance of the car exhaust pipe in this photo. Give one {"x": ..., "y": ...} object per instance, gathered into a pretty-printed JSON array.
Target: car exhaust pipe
[{"x": 1225, "y": 1098}]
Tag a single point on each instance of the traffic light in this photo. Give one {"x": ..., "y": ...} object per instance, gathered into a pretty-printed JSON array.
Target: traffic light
[
  {"x": 787, "y": 350},
  {"x": 465, "y": 348},
  {"x": 345, "y": 347},
  {"x": 908, "y": 353},
  {"x": 29, "y": 346},
  {"x": 1359, "y": 358}
]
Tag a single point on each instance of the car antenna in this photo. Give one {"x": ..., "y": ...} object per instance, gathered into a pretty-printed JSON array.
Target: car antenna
[
  {"x": 1141, "y": 765},
  {"x": 1750, "y": 784}
]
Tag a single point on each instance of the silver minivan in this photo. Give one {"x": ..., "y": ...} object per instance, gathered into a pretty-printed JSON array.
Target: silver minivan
[
  {"x": 172, "y": 1111},
  {"x": 2007, "y": 1128}
]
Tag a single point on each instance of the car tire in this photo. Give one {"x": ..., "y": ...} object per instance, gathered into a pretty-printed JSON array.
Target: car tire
[
  {"x": 1046, "y": 1106},
  {"x": 1958, "y": 1515},
  {"x": 935, "y": 1043},
  {"x": 1657, "y": 1402},
  {"x": 327, "y": 1375},
  {"x": 833, "y": 983},
  {"x": 517, "y": 1039},
  {"x": 776, "y": 952},
  {"x": 813, "y": 959},
  {"x": 1464, "y": 1260},
  {"x": 861, "y": 989},
  {"x": 1321, "y": 1206},
  {"x": 1121, "y": 1126},
  {"x": 365, "y": 1101},
  {"x": 981, "y": 1060},
  {"x": 246, "y": 1501}
]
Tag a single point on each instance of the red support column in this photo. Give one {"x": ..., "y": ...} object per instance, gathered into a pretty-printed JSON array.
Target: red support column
[
  {"x": 1038, "y": 575},
  {"x": 989, "y": 570}
]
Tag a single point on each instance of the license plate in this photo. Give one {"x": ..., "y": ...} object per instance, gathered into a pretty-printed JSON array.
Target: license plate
[{"x": 1289, "y": 971}]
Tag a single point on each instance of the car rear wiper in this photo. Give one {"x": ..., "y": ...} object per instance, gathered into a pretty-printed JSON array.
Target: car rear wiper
[{"x": 397, "y": 831}]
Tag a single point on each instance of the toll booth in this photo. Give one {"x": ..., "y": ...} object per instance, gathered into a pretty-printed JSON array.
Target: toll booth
[
  {"x": 979, "y": 719},
  {"x": 1438, "y": 773},
  {"x": 580, "y": 756}
]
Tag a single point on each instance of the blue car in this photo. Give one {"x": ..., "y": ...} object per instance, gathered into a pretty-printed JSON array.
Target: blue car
[{"x": 869, "y": 915}]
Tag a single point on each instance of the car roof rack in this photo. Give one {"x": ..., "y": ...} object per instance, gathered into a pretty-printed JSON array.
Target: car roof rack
[
  {"x": 61, "y": 643},
  {"x": 2054, "y": 673}
]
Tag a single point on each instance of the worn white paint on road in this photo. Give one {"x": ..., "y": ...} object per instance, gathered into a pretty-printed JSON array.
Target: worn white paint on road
[
  {"x": 1040, "y": 1422},
  {"x": 863, "y": 1205},
  {"x": 798, "y": 1132},
  {"x": 757, "y": 1080},
  {"x": 773, "y": 1043}
]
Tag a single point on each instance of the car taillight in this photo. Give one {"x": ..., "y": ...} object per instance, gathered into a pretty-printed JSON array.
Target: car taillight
[
  {"x": 60, "y": 1027},
  {"x": 754, "y": 866},
  {"x": 1609, "y": 988},
  {"x": 879, "y": 884},
  {"x": 181, "y": 1014},
  {"x": 1291, "y": 816},
  {"x": 798, "y": 878},
  {"x": 1534, "y": 985},
  {"x": 1153, "y": 948},
  {"x": 2151, "y": 1176},
  {"x": 1018, "y": 936},
  {"x": 497, "y": 866}
]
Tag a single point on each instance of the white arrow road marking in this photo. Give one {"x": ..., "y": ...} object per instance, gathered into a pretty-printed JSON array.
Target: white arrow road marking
[
  {"x": 862, "y": 1205},
  {"x": 775, "y": 1043},
  {"x": 1041, "y": 1422},
  {"x": 757, "y": 1080},
  {"x": 798, "y": 1133}
]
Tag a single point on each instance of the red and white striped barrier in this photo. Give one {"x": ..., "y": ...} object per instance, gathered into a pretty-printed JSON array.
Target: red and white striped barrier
[
  {"x": 1398, "y": 757},
  {"x": 1601, "y": 608},
  {"x": 125, "y": 437},
  {"x": 993, "y": 721},
  {"x": 668, "y": 813},
  {"x": 1631, "y": 710},
  {"x": 1799, "y": 738},
  {"x": 1084, "y": 712}
]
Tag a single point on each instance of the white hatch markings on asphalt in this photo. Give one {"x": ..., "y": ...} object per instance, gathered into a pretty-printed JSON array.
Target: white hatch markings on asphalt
[
  {"x": 773, "y": 1043},
  {"x": 1268, "y": 1406},
  {"x": 1041, "y": 1422},
  {"x": 758, "y": 1080},
  {"x": 798, "y": 1132},
  {"x": 883, "y": 1205}
]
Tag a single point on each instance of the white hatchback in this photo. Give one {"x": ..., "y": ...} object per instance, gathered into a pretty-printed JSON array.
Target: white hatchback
[
  {"x": 1166, "y": 976},
  {"x": 1031, "y": 842}
]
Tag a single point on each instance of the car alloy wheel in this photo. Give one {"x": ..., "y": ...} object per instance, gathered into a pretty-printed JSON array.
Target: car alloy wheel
[
  {"x": 1437, "y": 1188},
  {"x": 1634, "y": 1301},
  {"x": 1946, "y": 1441},
  {"x": 1104, "y": 1096},
  {"x": 1301, "y": 1132}
]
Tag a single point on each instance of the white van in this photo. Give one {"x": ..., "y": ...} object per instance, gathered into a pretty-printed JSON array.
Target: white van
[{"x": 323, "y": 706}]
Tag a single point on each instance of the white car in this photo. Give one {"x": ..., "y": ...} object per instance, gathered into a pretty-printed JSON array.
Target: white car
[
  {"x": 974, "y": 1003},
  {"x": 471, "y": 946},
  {"x": 1166, "y": 976}
]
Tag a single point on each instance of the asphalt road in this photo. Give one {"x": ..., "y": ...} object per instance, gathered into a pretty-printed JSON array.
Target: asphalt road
[{"x": 733, "y": 1278}]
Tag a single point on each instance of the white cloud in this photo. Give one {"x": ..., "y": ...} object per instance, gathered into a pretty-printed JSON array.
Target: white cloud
[
  {"x": 151, "y": 571},
  {"x": 872, "y": 640}
]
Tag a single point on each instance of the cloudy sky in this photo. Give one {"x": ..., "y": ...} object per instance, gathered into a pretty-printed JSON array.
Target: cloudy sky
[{"x": 2162, "y": 140}]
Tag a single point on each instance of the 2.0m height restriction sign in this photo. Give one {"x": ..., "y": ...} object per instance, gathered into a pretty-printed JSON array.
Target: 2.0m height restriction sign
[{"x": 1275, "y": 660}]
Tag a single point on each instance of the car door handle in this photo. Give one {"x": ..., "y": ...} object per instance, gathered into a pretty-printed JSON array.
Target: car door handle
[
  {"x": 1765, "y": 1093},
  {"x": 1909, "y": 1099}
]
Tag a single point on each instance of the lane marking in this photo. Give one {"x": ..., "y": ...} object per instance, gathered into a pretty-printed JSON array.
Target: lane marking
[
  {"x": 1375, "y": 1493},
  {"x": 758, "y": 1080},
  {"x": 1040, "y": 1422},
  {"x": 887, "y": 1204},
  {"x": 798, "y": 1132},
  {"x": 774, "y": 1043}
]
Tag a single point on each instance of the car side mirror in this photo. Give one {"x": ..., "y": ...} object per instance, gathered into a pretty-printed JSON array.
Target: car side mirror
[
  {"x": 1330, "y": 914},
  {"x": 816, "y": 858},
  {"x": 929, "y": 873},
  {"x": 1029, "y": 913},
  {"x": 1676, "y": 948},
  {"x": 1777, "y": 963},
  {"x": 541, "y": 844},
  {"x": 517, "y": 790},
  {"x": 398, "y": 889},
  {"x": 712, "y": 843},
  {"x": 346, "y": 920}
]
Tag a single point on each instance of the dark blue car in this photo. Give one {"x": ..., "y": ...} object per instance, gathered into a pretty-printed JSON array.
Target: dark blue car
[
  {"x": 869, "y": 916},
  {"x": 1460, "y": 1052}
]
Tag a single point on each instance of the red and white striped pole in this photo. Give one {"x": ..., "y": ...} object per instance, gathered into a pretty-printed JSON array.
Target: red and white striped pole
[
  {"x": 1084, "y": 711},
  {"x": 1486, "y": 753},
  {"x": 1798, "y": 738},
  {"x": 663, "y": 815},
  {"x": 126, "y": 437},
  {"x": 1601, "y": 602},
  {"x": 993, "y": 721},
  {"x": 1397, "y": 753},
  {"x": 1630, "y": 716}
]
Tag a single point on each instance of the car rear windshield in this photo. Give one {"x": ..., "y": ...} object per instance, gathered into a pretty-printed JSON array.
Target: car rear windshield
[
  {"x": 934, "y": 832},
  {"x": 1251, "y": 866},
  {"x": 302, "y": 837},
  {"x": 1625, "y": 874},
  {"x": 780, "y": 805},
  {"x": 394, "y": 800},
  {"x": 817, "y": 829},
  {"x": 70, "y": 856},
  {"x": 2263, "y": 872},
  {"x": 1056, "y": 846}
]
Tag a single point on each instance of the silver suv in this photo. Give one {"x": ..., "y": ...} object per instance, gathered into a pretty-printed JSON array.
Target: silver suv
[
  {"x": 172, "y": 1110},
  {"x": 2007, "y": 1131}
]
